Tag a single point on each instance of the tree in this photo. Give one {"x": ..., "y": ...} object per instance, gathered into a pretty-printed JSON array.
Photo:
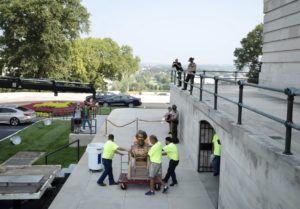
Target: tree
[
  {"x": 248, "y": 55},
  {"x": 35, "y": 35},
  {"x": 94, "y": 59}
]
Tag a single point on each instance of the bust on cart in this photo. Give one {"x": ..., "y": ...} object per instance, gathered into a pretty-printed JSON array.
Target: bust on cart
[{"x": 138, "y": 157}]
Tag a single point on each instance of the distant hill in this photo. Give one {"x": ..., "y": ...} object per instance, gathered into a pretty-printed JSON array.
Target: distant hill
[{"x": 164, "y": 67}]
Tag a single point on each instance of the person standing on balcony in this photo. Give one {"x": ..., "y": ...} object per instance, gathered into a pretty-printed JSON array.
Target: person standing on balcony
[
  {"x": 174, "y": 124},
  {"x": 217, "y": 155},
  {"x": 86, "y": 116},
  {"x": 178, "y": 67},
  {"x": 190, "y": 74}
]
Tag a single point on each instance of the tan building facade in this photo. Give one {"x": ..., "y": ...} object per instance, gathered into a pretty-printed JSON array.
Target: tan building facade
[{"x": 281, "y": 49}]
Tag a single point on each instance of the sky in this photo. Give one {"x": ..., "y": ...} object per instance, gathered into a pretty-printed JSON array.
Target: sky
[{"x": 161, "y": 30}]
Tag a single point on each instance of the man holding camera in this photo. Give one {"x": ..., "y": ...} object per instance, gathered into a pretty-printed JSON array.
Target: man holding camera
[
  {"x": 178, "y": 67},
  {"x": 190, "y": 74}
]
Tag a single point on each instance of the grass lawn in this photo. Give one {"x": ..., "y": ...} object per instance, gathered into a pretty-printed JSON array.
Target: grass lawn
[{"x": 44, "y": 139}]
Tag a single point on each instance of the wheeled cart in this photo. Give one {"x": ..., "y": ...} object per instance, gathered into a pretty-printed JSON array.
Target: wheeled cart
[{"x": 137, "y": 173}]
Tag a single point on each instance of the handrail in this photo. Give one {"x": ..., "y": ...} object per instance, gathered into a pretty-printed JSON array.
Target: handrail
[
  {"x": 63, "y": 147},
  {"x": 290, "y": 92}
]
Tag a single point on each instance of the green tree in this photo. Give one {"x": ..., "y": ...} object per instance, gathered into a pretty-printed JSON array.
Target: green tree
[
  {"x": 248, "y": 55},
  {"x": 35, "y": 35},
  {"x": 94, "y": 60}
]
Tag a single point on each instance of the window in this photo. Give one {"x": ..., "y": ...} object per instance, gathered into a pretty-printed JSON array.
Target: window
[
  {"x": 22, "y": 109},
  {"x": 7, "y": 110}
]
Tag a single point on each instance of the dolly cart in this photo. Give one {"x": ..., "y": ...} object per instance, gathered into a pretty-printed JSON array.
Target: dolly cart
[{"x": 135, "y": 173}]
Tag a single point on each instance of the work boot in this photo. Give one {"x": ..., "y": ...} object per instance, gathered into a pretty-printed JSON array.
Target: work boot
[
  {"x": 173, "y": 184},
  {"x": 150, "y": 192},
  {"x": 165, "y": 189}
]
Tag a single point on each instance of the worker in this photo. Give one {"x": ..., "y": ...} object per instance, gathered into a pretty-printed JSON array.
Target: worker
[
  {"x": 172, "y": 152},
  {"x": 217, "y": 155},
  {"x": 155, "y": 170},
  {"x": 109, "y": 149}
]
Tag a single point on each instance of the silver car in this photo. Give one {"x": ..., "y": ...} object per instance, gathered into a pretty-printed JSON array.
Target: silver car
[{"x": 16, "y": 115}]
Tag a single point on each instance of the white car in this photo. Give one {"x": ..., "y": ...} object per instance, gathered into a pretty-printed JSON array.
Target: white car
[{"x": 16, "y": 115}]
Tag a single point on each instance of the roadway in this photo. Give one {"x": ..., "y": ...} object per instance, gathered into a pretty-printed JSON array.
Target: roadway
[
  {"x": 7, "y": 130},
  {"x": 149, "y": 100}
]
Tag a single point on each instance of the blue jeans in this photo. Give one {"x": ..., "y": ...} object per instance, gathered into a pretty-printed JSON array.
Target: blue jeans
[
  {"x": 86, "y": 120},
  {"x": 108, "y": 171},
  {"x": 216, "y": 165}
]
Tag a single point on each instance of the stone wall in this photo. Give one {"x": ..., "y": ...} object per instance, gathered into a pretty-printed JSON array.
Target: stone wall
[
  {"x": 281, "y": 48},
  {"x": 254, "y": 172}
]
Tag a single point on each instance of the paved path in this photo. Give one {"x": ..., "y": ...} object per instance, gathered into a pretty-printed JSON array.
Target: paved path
[{"x": 82, "y": 192}]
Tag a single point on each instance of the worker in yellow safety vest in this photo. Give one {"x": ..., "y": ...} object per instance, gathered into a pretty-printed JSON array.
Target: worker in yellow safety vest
[
  {"x": 155, "y": 170},
  {"x": 172, "y": 152},
  {"x": 109, "y": 149},
  {"x": 217, "y": 155}
]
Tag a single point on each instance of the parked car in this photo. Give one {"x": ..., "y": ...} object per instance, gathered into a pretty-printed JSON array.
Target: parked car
[
  {"x": 101, "y": 96},
  {"x": 120, "y": 100},
  {"x": 16, "y": 115},
  {"x": 111, "y": 99}
]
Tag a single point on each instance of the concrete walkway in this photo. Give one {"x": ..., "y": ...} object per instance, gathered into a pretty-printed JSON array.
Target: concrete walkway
[{"x": 82, "y": 192}]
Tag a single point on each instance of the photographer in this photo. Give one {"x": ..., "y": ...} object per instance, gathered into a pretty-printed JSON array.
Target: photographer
[{"x": 179, "y": 70}]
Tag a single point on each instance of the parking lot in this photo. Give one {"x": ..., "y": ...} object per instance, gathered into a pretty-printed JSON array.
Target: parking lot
[{"x": 7, "y": 130}]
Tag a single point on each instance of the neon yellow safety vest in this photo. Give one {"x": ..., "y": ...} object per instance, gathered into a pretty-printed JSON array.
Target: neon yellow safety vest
[
  {"x": 155, "y": 153},
  {"x": 172, "y": 151},
  {"x": 109, "y": 150},
  {"x": 217, "y": 145}
]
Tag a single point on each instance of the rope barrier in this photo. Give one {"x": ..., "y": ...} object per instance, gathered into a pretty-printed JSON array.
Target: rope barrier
[
  {"x": 136, "y": 120},
  {"x": 150, "y": 121},
  {"x": 120, "y": 126}
]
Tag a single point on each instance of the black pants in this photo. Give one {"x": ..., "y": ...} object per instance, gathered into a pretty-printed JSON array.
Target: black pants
[
  {"x": 174, "y": 125},
  {"x": 179, "y": 77},
  {"x": 108, "y": 171},
  {"x": 171, "y": 171},
  {"x": 189, "y": 77}
]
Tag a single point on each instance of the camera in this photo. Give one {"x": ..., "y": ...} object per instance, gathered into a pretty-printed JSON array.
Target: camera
[{"x": 174, "y": 64}]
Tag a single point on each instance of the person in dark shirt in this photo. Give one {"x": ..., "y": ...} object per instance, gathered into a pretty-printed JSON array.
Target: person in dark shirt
[{"x": 178, "y": 67}]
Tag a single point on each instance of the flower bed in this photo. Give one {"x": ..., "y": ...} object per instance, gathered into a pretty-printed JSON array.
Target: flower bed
[{"x": 46, "y": 109}]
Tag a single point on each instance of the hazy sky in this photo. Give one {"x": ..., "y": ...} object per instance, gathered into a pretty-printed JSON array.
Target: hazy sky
[{"x": 161, "y": 30}]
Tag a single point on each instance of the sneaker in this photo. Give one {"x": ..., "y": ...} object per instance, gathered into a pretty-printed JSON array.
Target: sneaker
[
  {"x": 101, "y": 184},
  {"x": 114, "y": 183},
  {"x": 150, "y": 193},
  {"x": 165, "y": 189},
  {"x": 173, "y": 184}
]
